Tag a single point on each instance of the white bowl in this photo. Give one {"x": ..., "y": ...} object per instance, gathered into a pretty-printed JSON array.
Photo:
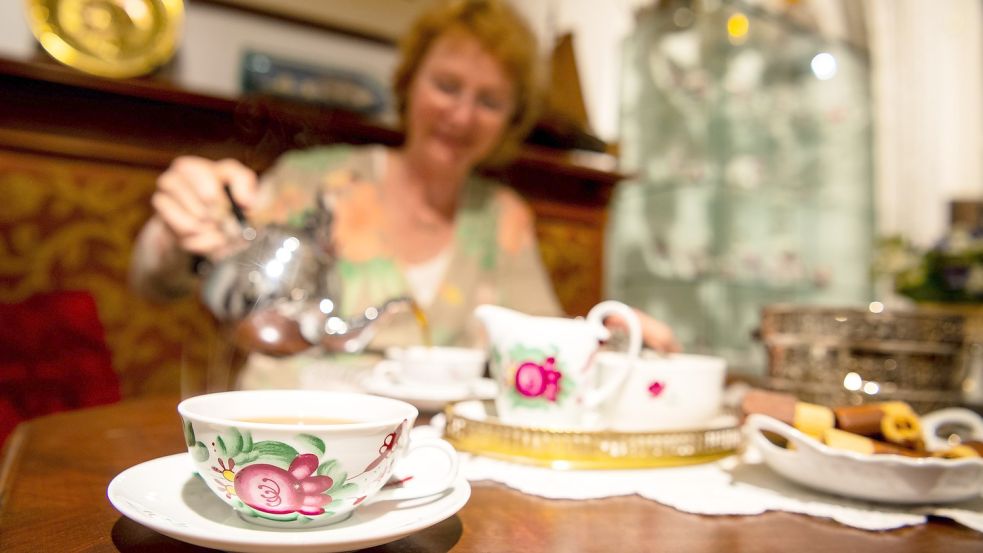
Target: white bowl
[{"x": 882, "y": 477}]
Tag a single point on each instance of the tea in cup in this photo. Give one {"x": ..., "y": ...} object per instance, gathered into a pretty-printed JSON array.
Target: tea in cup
[
  {"x": 301, "y": 459},
  {"x": 447, "y": 368},
  {"x": 663, "y": 392},
  {"x": 545, "y": 366}
]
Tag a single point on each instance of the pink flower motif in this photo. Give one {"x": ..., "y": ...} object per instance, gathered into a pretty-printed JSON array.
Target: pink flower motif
[
  {"x": 656, "y": 388},
  {"x": 534, "y": 380},
  {"x": 271, "y": 489}
]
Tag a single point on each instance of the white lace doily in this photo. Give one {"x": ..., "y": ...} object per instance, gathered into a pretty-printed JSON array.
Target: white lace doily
[{"x": 737, "y": 485}]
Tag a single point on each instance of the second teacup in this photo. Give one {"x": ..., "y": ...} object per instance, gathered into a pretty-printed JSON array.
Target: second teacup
[
  {"x": 436, "y": 366},
  {"x": 663, "y": 392}
]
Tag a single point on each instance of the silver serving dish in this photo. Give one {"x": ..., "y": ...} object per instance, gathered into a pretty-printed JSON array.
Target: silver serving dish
[{"x": 842, "y": 356}]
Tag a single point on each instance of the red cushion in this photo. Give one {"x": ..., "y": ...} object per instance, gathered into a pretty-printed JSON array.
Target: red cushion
[{"x": 53, "y": 357}]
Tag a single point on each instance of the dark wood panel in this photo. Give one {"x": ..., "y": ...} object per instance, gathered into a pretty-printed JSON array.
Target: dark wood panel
[{"x": 47, "y": 98}]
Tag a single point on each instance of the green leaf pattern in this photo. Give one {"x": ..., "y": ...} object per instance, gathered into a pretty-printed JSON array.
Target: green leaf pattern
[
  {"x": 313, "y": 444},
  {"x": 274, "y": 453},
  {"x": 333, "y": 469},
  {"x": 197, "y": 450}
]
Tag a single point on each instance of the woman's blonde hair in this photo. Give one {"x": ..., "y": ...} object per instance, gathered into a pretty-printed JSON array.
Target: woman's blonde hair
[{"x": 503, "y": 33}]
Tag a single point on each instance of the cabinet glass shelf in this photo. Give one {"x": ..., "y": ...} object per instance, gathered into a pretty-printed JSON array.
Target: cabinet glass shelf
[{"x": 750, "y": 157}]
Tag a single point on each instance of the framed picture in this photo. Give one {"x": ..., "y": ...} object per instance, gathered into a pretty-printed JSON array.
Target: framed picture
[{"x": 334, "y": 87}]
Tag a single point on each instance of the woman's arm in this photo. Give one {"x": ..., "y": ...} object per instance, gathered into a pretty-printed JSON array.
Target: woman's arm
[{"x": 192, "y": 217}]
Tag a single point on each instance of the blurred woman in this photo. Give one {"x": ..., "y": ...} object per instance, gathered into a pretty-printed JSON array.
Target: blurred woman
[{"x": 415, "y": 220}]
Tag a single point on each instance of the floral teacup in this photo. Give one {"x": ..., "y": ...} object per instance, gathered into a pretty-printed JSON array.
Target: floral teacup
[
  {"x": 663, "y": 392},
  {"x": 299, "y": 459},
  {"x": 445, "y": 368}
]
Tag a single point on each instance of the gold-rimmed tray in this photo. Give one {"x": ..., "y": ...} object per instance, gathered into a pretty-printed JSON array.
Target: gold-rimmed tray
[
  {"x": 109, "y": 39},
  {"x": 474, "y": 427}
]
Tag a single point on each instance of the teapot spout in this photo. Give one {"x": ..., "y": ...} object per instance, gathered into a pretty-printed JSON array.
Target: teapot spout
[{"x": 353, "y": 335}]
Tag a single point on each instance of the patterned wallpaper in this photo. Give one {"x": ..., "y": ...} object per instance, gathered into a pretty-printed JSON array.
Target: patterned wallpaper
[{"x": 69, "y": 225}]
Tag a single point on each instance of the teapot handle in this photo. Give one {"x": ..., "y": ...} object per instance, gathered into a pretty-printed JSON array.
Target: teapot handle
[{"x": 596, "y": 318}]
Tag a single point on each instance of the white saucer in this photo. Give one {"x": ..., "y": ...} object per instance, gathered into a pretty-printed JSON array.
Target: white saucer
[
  {"x": 430, "y": 398},
  {"x": 166, "y": 495}
]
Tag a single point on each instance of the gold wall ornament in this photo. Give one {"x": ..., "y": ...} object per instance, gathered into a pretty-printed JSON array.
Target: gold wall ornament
[{"x": 108, "y": 38}]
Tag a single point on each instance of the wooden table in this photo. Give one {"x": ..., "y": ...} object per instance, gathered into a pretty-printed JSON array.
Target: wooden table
[{"x": 55, "y": 471}]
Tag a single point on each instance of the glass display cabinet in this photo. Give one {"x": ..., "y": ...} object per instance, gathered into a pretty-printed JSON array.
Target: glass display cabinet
[{"x": 748, "y": 144}]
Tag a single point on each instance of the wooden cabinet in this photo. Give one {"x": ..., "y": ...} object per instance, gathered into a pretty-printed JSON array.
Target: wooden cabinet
[{"x": 78, "y": 160}]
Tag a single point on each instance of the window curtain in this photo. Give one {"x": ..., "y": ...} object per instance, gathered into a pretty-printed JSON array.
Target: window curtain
[{"x": 927, "y": 77}]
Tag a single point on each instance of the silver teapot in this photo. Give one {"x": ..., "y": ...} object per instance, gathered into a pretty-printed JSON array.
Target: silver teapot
[{"x": 280, "y": 292}]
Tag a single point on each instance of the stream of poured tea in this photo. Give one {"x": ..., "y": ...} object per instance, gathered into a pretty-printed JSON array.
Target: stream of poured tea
[{"x": 422, "y": 322}]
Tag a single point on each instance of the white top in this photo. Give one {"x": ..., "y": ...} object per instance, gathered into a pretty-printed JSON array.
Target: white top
[{"x": 424, "y": 279}]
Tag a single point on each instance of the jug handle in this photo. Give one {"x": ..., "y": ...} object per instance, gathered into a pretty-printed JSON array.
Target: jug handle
[{"x": 596, "y": 318}]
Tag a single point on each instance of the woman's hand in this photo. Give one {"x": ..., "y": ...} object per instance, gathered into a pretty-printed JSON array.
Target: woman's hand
[
  {"x": 191, "y": 203},
  {"x": 655, "y": 334}
]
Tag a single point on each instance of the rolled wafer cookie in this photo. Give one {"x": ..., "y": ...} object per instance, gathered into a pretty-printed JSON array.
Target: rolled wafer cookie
[
  {"x": 841, "y": 439},
  {"x": 894, "y": 421},
  {"x": 904, "y": 429},
  {"x": 866, "y": 419},
  {"x": 808, "y": 418}
]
